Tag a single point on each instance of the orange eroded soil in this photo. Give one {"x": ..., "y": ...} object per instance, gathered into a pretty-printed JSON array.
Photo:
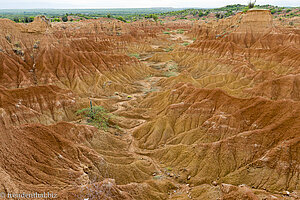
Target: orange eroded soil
[{"x": 210, "y": 113}]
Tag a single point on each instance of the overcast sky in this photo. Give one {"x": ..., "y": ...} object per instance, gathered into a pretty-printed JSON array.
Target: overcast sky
[{"x": 4, "y": 4}]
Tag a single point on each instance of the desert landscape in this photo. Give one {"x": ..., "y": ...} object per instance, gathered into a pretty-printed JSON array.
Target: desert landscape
[{"x": 184, "y": 109}]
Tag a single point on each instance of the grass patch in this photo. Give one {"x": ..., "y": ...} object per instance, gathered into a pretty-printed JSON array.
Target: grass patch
[
  {"x": 96, "y": 116},
  {"x": 169, "y": 169},
  {"x": 157, "y": 177},
  {"x": 169, "y": 49},
  {"x": 166, "y": 32},
  {"x": 173, "y": 67},
  {"x": 135, "y": 55},
  {"x": 180, "y": 31},
  {"x": 185, "y": 44},
  {"x": 169, "y": 74}
]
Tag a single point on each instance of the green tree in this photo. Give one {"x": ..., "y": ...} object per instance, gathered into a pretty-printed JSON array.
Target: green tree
[
  {"x": 155, "y": 17},
  {"x": 56, "y": 20},
  {"x": 121, "y": 19},
  {"x": 201, "y": 14},
  {"x": 273, "y": 11},
  {"x": 251, "y": 4},
  {"x": 219, "y": 15},
  {"x": 64, "y": 18},
  {"x": 16, "y": 19}
]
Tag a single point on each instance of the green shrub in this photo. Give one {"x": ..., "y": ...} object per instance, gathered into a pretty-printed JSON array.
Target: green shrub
[
  {"x": 167, "y": 32},
  {"x": 96, "y": 116},
  {"x": 185, "y": 44},
  {"x": 170, "y": 73},
  {"x": 157, "y": 177},
  {"x": 135, "y": 55},
  {"x": 121, "y": 19},
  {"x": 273, "y": 11},
  {"x": 169, "y": 49},
  {"x": 251, "y": 4},
  {"x": 153, "y": 16},
  {"x": 201, "y": 14},
  {"x": 8, "y": 38},
  {"x": 64, "y": 18},
  {"x": 180, "y": 31},
  {"x": 56, "y": 20},
  {"x": 169, "y": 169},
  {"x": 173, "y": 67}
]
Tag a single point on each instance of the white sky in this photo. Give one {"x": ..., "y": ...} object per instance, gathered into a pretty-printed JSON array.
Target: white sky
[{"x": 24, "y": 4}]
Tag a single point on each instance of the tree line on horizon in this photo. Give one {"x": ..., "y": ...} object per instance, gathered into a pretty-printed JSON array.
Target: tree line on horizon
[{"x": 126, "y": 16}]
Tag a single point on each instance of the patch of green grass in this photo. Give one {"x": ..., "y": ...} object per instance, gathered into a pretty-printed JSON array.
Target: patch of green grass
[
  {"x": 185, "y": 44},
  {"x": 180, "y": 31},
  {"x": 170, "y": 73},
  {"x": 173, "y": 67},
  {"x": 166, "y": 32},
  {"x": 135, "y": 55},
  {"x": 194, "y": 39},
  {"x": 169, "y": 169},
  {"x": 96, "y": 116},
  {"x": 117, "y": 127},
  {"x": 169, "y": 49},
  {"x": 157, "y": 177}
]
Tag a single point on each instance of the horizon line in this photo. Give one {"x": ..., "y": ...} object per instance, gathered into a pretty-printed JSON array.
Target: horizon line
[{"x": 137, "y": 7}]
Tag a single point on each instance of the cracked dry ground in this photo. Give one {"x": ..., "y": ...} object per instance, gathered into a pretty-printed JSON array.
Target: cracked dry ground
[{"x": 200, "y": 110}]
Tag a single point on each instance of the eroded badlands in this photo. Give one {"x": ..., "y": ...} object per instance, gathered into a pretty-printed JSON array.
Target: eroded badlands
[{"x": 210, "y": 112}]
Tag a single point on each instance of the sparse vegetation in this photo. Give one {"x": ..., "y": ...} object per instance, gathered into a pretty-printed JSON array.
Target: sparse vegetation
[
  {"x": 131, "y": 15},
  {"x": 251, "y": 4},
  {"x": 56, "y": 20},
  {"x": 219, "y": 15},
  {"x": 180, "y": 31},
  {"x": 157, "y": 177},
  {"x": 173, "y": 67},
  {"x": 121, "y": 19},
  {"x": 170, "y": 73},
  {"x": 153, "y": 16},
  {"x": 8, "y": 38},
  {"x": 169, "y": 49},
  {"x": 96, "y": 116},
  {"x": 169, "y": 169},
  {"x": 64, "y": 18},
  {"x": 136, "y": 55}
]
